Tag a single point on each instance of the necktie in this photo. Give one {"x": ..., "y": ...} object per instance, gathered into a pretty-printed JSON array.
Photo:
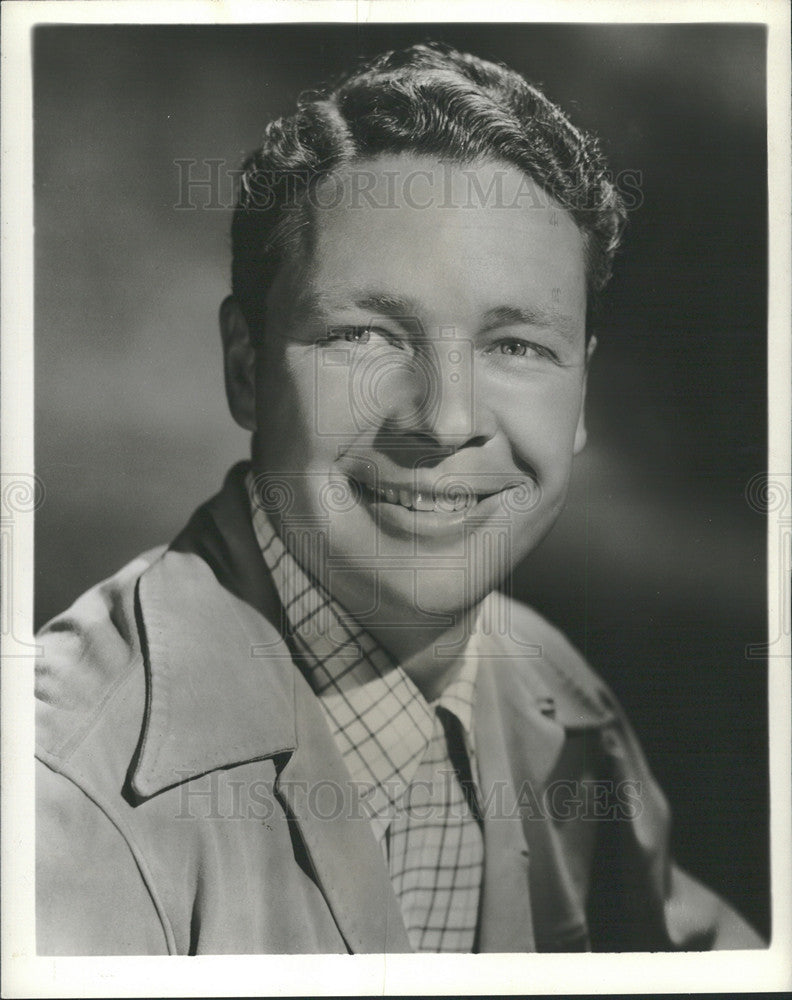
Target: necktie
[{"x": 435, "y": 846}]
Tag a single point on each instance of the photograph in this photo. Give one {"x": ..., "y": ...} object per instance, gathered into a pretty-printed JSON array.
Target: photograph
[{"x": 402, "y": 488}]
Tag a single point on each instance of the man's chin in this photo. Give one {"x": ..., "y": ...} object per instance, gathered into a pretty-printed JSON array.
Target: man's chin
[{"x": 410, "y": 597}]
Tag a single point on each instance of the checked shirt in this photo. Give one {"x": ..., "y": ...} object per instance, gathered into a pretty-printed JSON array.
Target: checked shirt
[{"x": 415, "y": 759}]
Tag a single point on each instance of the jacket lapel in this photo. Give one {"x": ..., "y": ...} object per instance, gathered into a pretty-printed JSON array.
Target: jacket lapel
[
  {"x": 522, "y": 724},
  {"x": 505, "y": 923},
  {"x": 213, "y": 699},
  {"x": 335, "y": 828}
]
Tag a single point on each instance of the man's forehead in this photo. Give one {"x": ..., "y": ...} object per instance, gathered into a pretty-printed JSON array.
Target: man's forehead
[
  {"x": 419, "y": 181},
  {"x": 385, "y": 211},
  {"x": 487, "y": 262}
]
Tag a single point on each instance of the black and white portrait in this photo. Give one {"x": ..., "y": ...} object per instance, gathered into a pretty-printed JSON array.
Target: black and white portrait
[{"x": 401, "y": 446}]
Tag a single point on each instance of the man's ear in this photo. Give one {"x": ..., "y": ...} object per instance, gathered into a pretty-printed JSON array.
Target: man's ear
[
  {"x": 580, "y": 430},
  {"x": 239, "y": 364}
]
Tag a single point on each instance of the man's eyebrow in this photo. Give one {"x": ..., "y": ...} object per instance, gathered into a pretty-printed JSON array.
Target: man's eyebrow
[
  {"x": 529, "y": 316},
  {"x": 318, "y": 303},
  {"x": 372, "y": 301}
]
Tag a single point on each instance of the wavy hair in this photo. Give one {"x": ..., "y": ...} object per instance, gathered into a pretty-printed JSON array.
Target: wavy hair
[{"x": 429, "y": 100}]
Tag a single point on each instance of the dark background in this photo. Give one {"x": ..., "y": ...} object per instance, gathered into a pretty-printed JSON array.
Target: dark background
[{"x": 657, "y": 568}]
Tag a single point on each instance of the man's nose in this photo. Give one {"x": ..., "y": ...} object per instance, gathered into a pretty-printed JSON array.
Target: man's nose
[{"x": 440, "y": 405}]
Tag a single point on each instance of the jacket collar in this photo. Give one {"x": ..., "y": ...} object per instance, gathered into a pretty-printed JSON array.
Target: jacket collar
[{"x": 220, "y": 678}]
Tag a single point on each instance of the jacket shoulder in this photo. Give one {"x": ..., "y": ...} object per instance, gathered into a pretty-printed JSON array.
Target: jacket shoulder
[
  {"x": 85, "y": 654},
  {"x": 553, "y": 669}
]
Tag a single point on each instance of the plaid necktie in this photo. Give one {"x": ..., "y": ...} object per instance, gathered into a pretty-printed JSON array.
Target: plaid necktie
[
  {"x": 435, "y": 848},
  {"x": 417, "y": 759}
]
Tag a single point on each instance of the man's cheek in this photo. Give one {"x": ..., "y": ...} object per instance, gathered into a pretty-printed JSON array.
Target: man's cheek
[
  {"x": 547, "y": 423},
  {"x": 329, "y": 400}
]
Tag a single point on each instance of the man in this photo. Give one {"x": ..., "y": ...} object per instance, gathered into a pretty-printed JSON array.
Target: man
[{"x": 314, "y": 723}]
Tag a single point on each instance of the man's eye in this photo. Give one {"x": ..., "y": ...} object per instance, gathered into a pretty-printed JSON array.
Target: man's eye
[
  {"x": 514, "y": 348},
  {"x": 523, "y": 348},
  {"x": 353, "y": 334}
]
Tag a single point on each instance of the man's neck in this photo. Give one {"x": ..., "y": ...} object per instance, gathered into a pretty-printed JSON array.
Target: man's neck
[{"x": 431, "y": 656}]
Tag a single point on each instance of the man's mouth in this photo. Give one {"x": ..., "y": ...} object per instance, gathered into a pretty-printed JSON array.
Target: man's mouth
[
  {"x": 443, "y": 500},
  {"x": 435, "y": 498}
]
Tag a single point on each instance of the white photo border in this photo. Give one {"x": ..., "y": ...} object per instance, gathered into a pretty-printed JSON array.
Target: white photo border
[{"x": 23, "y": 973}]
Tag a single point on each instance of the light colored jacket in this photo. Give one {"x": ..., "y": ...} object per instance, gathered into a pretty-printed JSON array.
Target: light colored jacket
[{"x": 191, "y": 798}]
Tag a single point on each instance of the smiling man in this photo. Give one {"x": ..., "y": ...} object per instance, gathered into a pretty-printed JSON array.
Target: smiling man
[
  {"x": 445, "y": 398},
  {"x": 316, "y": 722}
]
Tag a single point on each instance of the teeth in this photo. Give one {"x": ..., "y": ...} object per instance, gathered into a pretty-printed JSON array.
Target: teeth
[{"x": 426, "y": 500}]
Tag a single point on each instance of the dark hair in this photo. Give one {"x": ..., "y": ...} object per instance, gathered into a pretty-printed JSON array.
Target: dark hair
[{"x": 428, "y": 100}]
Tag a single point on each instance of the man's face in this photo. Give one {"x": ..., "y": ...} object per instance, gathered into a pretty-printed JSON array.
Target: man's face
[{"x": 420, "y": 390}]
